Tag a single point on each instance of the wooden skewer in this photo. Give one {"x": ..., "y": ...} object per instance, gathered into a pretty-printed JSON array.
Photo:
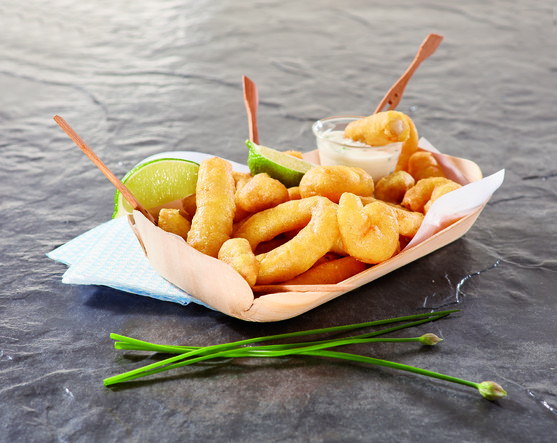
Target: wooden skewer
[
  {"x": 130, "y": 198},
  {"x": 302, "y": 288},
  {"x": 393, "y": 96},
  {"x": 251, "y": 100}
]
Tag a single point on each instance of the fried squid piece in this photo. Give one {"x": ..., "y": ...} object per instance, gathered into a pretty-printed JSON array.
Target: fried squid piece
[
  {"x": 369, "y": 233},
  {"x": 238, "y": 254},
  {"x": 261, "y": 192},
  {"x": 171, "y": 220},
  {"x": 423, "y": 164},
  {"x": 420, "y": 197},
  {"x": 333, "y": 181},
  {"x": 214, "y": 196}
]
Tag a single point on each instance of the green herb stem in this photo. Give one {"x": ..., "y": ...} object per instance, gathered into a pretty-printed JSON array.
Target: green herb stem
[
  {"x": 187, "y": 355},
  {"x": 390, "y": 364},
  {"x": 128, "y": 343}
]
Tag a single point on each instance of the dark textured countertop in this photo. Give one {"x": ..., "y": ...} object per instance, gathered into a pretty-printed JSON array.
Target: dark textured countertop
[{"x": 138, "y": 78}]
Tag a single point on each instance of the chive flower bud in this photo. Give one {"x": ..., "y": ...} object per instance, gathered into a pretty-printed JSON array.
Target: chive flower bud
[
  {"x": 491, "y": 390},
  {"x": 430, "y": 339}
]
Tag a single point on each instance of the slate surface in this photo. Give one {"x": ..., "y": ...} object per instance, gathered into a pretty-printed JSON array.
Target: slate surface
[{"x": 135, "y": 79}]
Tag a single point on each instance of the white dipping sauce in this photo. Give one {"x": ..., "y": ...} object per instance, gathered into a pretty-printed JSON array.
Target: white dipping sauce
[{"x": 335, "y": 149}]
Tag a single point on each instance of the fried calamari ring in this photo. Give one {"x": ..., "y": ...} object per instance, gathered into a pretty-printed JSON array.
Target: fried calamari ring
[
  {"x": 260, "y": 192},
  {"x": 333, "y": 181},
  {"x": 423, "y": 164},
  {"x": 418, "y": 196},
  {"x": 238, "y": 254},
  {"x": 329, "y": 272},
  {"x": 316, "y": 216},
  {"x": 369, "y": 233},
  {"x": 266, "y": 225},
  {"x": 392, "y": 188},
  {"x": 214, "y": 196}
]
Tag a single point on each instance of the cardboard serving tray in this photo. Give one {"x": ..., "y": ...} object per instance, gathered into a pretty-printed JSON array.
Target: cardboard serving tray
[{"x": 218, "y": 285}]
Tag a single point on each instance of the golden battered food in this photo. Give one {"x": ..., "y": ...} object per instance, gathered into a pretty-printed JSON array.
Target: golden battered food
[
  {"x": 240, "y": 176},
  {"x": 422, "y": 164},
  {"x": 212, "y": 223},
  {"x": 333, "y": 181},
  {"x": 409, "y": 146},
  {"x": 369, "y": 233},
  {"x": 261, "y": 192},
  {"x": 439, "y": 191},
  {"x": 300, "y": 253},
  {"x": 170, "y": 220},
  {"x": 408, "y": 221},
  {"x": 266, "y": 225},
  {"x": 392, "y": 188},
  {"x": 238, "y": 254},
  {"x": 294, "y": 193},
  {"x": 418, "y": 196},
  {"x": 329, "y": 272},
  {"x": 379, "y": 129}
]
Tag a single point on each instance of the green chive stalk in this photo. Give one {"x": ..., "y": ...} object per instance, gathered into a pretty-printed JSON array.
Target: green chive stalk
[{"x": 188, "y": 355}]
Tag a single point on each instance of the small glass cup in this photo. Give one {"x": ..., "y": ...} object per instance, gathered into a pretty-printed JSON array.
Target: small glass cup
[{"x": 334, "y": 149}]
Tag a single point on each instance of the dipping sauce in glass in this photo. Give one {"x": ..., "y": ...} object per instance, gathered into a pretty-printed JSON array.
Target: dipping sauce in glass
[{"x": 334, "y": 149}]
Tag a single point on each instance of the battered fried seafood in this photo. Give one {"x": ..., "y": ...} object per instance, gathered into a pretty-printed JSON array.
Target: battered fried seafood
[
  {"x": 369, "y": 233},
  {"x": 170, "y": 220},
  {"x": 423, "y": 164},
  {"x": 261, "y": 192},
  {"x": 408, "y": 221},
  {"x": 420, "y": 197},
  {"x": 379, "y": 129},
  {"x": 317, "y": 218},
  {"x": 333, "y": 181},
  {"x": 409, "y": 147},
  {"x": 392, "y": 188},
  {"x": 212, "y": 223},
  {"x": 329, "y": 272},
  {"x": 238, "y": 254},
  {"x": 294, "y": 193},
  {"x": 440, "y": 191}
]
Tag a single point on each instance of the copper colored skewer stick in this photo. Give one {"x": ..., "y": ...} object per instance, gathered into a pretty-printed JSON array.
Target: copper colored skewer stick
[
  {"x": 251, "y": 101},
  {"x": 393, "y": 96},
  {"x": 130, "y": 198}
]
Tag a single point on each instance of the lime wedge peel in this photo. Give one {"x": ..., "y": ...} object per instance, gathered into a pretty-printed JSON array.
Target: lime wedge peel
[
  {"x": 285, "y": 168},
  {"x": 157, "y": 182}
]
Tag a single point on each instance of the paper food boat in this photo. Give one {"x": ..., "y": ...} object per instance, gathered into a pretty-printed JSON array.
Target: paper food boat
[{"x": 219, "y": 286}]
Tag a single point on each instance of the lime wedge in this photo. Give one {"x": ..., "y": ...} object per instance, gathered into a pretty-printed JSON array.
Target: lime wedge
[
  {"x": 157, "y": 182},
  {"x": 285, "y": 168}
]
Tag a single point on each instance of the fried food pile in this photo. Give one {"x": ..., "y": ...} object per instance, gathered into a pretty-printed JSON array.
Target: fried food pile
[{"x": 334, "y": 225}]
